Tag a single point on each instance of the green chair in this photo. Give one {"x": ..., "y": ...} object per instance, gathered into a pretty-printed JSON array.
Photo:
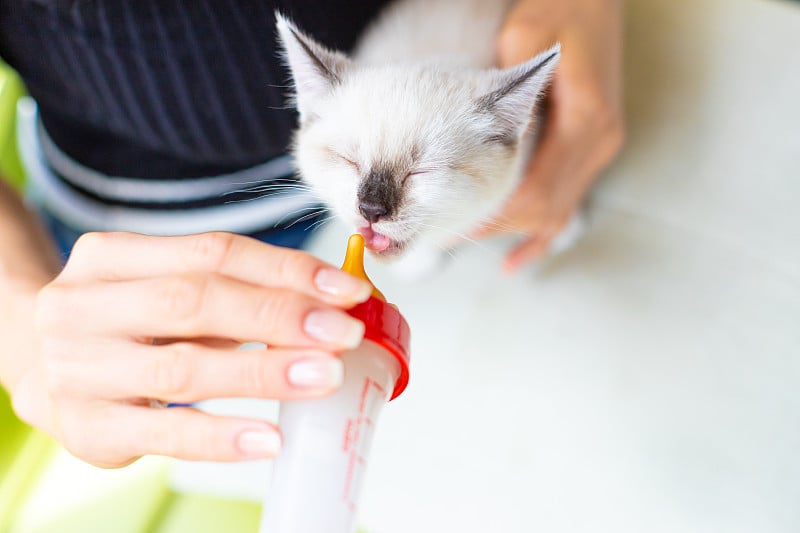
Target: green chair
[
  {"x": 135, "y": 499},
  {"x": 24, "y": 454},
  {"x": 11, "y": 89}
]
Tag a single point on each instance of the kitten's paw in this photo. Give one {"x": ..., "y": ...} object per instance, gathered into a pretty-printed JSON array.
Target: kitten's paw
[
  {"x": 420, "y": 264},
  {"x": 568, "y": 236}
]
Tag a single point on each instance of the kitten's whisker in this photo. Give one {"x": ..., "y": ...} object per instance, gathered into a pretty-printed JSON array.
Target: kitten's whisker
[
  {"x": 247, "y": 199},
  {"x": 320, "y": 223},
  {"x": 289, "y": 183},
  {"x": 266, "y": 181},
  {"x": 270, "y": 187},
  {"x": 306, "y": 217},
  {"x": 269, "y": 193},
  {"x": 288, "y": 188},
  {"x": 479, "y": 244},
  {"x": 457, "y": 234},
  {"x": 278, "y": 188},
  {"x": 497, "y": 225},
  {"x": 269, "y": 181},
  {"x": 490, "y": 221},
  {"x": 294, "y": 212},
  {"x": 501, "y": 216},
  {"x": 426, "y": 216}
]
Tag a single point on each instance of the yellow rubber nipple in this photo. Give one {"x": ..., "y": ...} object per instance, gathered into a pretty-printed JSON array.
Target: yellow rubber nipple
[{"x": 354, "y": 262}]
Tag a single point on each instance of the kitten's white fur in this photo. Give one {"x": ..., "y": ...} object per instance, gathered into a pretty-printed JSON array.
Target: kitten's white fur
[{"x": 418, "y": 97}]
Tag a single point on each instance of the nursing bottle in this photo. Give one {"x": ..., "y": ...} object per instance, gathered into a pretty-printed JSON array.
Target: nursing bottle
[{"x": 317, "y": 477}]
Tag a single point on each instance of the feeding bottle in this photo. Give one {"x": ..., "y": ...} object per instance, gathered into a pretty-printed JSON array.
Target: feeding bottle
[{"x": 317, "y": 477}]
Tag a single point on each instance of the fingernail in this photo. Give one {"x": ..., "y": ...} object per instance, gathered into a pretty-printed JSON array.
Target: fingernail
[
  {"x": 334, "y": 327},
  {"x": 338, "y": 283},
  {"x": 260, "y": 443},
  {"x": 325, "y": 372}
]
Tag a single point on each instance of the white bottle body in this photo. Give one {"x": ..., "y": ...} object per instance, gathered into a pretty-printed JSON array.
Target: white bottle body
[{"x": 317, "y": 477}]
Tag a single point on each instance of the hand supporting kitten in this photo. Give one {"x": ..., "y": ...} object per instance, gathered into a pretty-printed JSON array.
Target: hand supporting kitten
[{"x": 584, "y": 129}]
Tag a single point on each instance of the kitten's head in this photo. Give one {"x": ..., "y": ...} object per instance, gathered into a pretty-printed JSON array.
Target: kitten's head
[{"x": 410, "y": 152}]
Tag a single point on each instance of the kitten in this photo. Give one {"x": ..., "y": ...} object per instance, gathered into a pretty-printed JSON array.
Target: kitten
[{"x": 415, "y": 139}]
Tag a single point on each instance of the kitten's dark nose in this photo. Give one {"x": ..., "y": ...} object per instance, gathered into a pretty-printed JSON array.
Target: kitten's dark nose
[
  {"x": 372, "y": 211},
  {"x": 379, "y": 195}
]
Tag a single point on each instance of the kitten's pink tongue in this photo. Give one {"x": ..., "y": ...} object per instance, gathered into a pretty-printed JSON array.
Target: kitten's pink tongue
[{"x": 374, "y": 240}]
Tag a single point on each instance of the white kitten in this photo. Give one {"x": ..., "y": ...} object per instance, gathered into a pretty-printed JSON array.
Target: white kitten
[{"x": 416, "y": 139}]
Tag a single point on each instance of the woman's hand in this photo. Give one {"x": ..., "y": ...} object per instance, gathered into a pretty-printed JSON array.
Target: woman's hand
[
  {"x": 133, "y": 319},
  {"x": 584, "y": 127}
]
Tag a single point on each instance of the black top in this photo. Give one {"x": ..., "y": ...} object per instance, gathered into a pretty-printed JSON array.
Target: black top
[{"x": 166, "y": 88}]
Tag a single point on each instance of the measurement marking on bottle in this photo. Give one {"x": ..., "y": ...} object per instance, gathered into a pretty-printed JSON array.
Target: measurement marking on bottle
[{"x": 357, "y": 437}]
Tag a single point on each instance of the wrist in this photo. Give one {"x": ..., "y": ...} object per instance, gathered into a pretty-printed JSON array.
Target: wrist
[
  {"x": 19, "y": 275},
  {"x": 17, "y": 292}
]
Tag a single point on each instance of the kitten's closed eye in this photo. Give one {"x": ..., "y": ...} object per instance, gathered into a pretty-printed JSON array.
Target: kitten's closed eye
[
  {"x": 418, "y": 172},
  {"x": 344, "y": 159},
  {"x": 351, "y": 162}
]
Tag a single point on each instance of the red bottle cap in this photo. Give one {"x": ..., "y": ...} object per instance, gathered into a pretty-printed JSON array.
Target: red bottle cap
[
  {"x": 387, "y": 327},
  {"x": 384, "y": 323}
]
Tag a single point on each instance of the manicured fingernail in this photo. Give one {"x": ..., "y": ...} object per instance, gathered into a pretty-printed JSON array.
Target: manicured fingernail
[
  {"x": 334, "y": 327},
  {"x": 260, "y": 443},
  {"x": 326, "y": 372},
  {"x": 338, "y": 283}
]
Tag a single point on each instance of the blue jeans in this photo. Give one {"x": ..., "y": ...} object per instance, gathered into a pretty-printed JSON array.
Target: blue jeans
[{"x": 294, "y": 236}]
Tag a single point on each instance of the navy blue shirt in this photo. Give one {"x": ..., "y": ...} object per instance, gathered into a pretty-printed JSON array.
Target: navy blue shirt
[{"x": 166, "y": 88}]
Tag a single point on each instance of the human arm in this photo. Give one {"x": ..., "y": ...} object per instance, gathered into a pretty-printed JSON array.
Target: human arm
[{"x": 27, "y": 263}]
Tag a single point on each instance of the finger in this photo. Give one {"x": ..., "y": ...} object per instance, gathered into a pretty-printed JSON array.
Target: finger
[
  {"x": 210, "y": 342},
  {"x": 31, "y": 404},
  {"x": 195, "y": 436},
  {"x": 186, "y": 372},
  {"x": 118, "y": 434},
  {"x": 193, "y": 306},
  {"x": 127, "y": 256},
  {"x": 529, "y": 250}
]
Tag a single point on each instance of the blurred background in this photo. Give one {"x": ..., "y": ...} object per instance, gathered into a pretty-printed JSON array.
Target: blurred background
[{"x": 646, "y": 380}]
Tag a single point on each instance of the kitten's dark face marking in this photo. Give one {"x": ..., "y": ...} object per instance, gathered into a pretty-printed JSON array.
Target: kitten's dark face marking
[{"x": 380, "y": 193}]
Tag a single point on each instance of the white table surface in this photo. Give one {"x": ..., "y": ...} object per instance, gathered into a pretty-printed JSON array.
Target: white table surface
[{"x": 647, "y": 380}]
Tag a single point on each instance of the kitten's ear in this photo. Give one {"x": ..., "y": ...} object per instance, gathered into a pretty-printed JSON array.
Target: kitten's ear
[
  {"x": 316, "y": 70},
  {"x": 514, "y": 92}
]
